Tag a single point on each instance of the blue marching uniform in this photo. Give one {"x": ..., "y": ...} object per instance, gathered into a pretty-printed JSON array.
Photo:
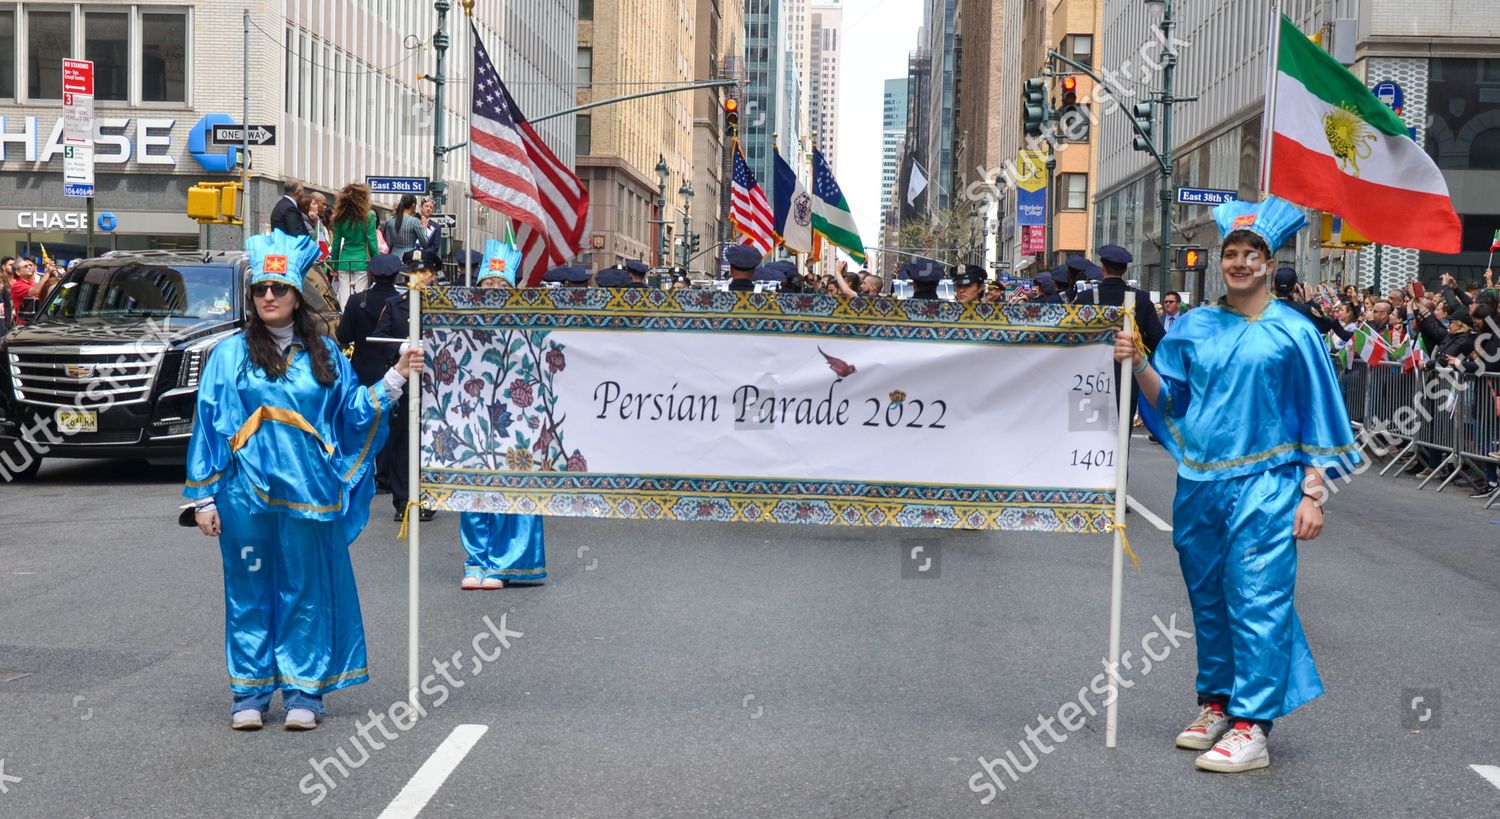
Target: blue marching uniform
[
  {"x": 1246, "y": 403},
  {"x": 287, "y": 461},
  {"x": 506, "y": 547}
]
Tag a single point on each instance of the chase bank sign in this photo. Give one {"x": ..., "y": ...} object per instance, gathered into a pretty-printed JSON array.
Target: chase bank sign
[{"x": 117, "y": 141}]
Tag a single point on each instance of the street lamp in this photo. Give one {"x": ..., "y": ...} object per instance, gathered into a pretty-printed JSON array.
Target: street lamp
[
  {"x": 661, "y": 211},
  {"x": 686, "y": 192}
]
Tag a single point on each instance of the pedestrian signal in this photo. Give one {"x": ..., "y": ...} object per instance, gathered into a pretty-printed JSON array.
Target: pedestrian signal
[{"x": 1194, "y": 259}]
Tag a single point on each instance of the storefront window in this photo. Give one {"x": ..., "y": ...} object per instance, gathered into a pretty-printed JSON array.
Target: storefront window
[
  {"x": 1463, "y": 106},
  {"x": 7, "y": 61},
  {"x": 164, "y": 57},
  {"x": 107, "y": 45},
  {"x": 49, "y": 39}
]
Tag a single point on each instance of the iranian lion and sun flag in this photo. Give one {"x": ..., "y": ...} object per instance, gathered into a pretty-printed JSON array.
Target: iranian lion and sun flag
[{"x": 1336, "y": 147}]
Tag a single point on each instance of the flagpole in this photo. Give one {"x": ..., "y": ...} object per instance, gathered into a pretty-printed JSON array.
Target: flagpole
[
  {"x": 1268, "y": 118},
  {"x": 414, "y": 490},
  {"x": 469, "y": 154},
  {"x": 1117, "y": 555}
]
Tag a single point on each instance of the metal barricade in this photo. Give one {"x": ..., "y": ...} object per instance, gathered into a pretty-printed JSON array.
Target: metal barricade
[
  {"x": 1481, "y": 435},
  {"x": 1439, "y": 407},
  {"x": 1355, "y": 385}
]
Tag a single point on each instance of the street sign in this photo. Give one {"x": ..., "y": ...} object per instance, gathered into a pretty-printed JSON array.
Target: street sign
[
  {"x": 397, "y": 184},
  {"x": 1390, "y": 93},
  {"x": 1033, "y": 239},
  {"x": 78, "y": 77},
  {"x": 446, "y": 220},
  {"x": 78, "y": 190},
  {"x": 235, "y": 135},
  {"x": 1002, "y": 265},
  {"x": 1205, "y": 196}
]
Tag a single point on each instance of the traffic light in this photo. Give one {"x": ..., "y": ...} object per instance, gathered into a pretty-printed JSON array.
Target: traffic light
[
  {"x": 203, "y": 203},
  {"x": 229, "y": 202},
  {"x": 1035, "y": 106},
  {"x": 1070, "y": 91},
  {"x": 1145, "y": 116},
  {"x": 732, "y": 114},
  {"x": 1193, "y": 259}
]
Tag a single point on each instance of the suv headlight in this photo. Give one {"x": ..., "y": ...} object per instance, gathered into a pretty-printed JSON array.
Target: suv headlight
[{"x": 193, "y": 359}]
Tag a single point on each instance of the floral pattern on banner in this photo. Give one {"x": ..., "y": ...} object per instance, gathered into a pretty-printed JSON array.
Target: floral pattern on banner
[{"x": 488, "y": 402}]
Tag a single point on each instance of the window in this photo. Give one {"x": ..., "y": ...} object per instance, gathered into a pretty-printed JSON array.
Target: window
[
  {"x": 107, "y": 44},
  {"x": 585, "y": 10},
  {"x": 164, "y": 57},
  {"x": 585, "y": 67},
  {"x": 1484, "y": 151},
  {"x": 8, "y": 62},
  {"x": 584, "y": 135},
  {"x": 1080, "y": 47},
  {"x": 50, "y": 38},
  {"x": 1074, "y": 191}
]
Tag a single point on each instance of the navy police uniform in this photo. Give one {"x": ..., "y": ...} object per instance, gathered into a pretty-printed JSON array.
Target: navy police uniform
[
  {"x": 395, "y": 322},
  {"x": 361, "y": 315},
  {"x": 742, "y": 258},
  {"x": 925, "y": 275},
  {"x": 1111, "y": 292}
]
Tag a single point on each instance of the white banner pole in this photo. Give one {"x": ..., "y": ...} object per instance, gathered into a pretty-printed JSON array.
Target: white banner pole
[
  {"x": 414, "y": 490},
  {"x": 1117, "y": 560}
]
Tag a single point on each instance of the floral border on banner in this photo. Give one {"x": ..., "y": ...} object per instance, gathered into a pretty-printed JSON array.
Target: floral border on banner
[{"x": 491, "y": 441}]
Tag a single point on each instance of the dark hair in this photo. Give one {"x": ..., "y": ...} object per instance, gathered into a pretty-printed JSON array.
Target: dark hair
[
  {"x": 352, "y": 204},
  {"x": 1112, "y": 269},
  {"x": 265, "y": 354},
  {"x": 1247, "y": 237},
  {"x": 1173, "y": 293},
  {"x": 408, "y": 201}
]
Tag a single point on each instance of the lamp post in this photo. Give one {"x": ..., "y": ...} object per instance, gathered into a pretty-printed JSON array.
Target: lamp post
[
  {"x": 439, "y": 80},
  {"x": 661, "y": 211},
  {"x": 686, "y": 192},
  {"x": 1169, "y": 65}
]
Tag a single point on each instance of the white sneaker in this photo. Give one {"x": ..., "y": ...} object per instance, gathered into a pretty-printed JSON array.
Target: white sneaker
[
  {"x": 493, "y": 583},
  {"x": 301, "y": 719},
  {"x": 1203, "y": 732},
  {"x": 472, "y": 582},
  {"x": 1243, "y": 748},
  {"x": 246, "y": 720}
]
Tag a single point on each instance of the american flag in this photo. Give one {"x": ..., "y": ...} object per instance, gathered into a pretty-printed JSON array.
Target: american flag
[
  {"x": 749, "y": 209},
  {"x": 512, "y": 171}
]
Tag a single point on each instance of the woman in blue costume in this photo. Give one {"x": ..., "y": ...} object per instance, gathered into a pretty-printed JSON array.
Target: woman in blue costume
[
  {"x": 279, "y": 465},
  {"x": 501, "y": 547},
  {"x": 1244, "y": 396}
]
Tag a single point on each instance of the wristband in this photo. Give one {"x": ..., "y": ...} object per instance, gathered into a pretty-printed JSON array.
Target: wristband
[{"x": 1142, "y": 368}]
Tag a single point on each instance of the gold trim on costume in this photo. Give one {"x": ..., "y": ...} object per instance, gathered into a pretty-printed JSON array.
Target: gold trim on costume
[
  {"x": 305, "y": 507},
  {"x": 206, "y": 481},
  {"x": 318, "y": 684},
  {"x": 280, "y": 415},
  {"x": 370, "y": 438}
]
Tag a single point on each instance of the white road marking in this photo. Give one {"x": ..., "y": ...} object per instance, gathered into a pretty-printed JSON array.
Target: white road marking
[
  {"x": 1147, "y": 514},
  {"x": 434, "y": 772},
  {"x": 1489, "y": 772}
]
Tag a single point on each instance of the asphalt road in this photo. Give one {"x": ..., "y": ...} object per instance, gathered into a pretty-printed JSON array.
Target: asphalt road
[{"x": 734, "y": 670}]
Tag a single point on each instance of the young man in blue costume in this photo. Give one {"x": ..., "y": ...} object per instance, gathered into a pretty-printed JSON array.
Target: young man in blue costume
[
  {"x": 1245, "y": 398},
  {"x": 501, "y": 547},
  {"x": 280, "y": 466}
]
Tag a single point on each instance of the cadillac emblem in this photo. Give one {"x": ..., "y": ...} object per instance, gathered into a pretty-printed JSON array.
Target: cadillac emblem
[{"x": 79, "y": 371}]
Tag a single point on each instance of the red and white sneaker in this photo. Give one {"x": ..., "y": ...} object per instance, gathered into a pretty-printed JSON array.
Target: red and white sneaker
[
  {"x": 1203, "y": 732},
  {"x": 1243, "y": 748},
  {"x": 472, "y": 582}
]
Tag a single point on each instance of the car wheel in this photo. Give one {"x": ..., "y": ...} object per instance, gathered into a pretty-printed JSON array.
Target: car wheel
[{"x": 18, "y": 462}]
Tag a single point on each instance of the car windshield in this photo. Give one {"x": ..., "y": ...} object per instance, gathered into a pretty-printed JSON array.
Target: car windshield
[{"x": 132, "y": 291}]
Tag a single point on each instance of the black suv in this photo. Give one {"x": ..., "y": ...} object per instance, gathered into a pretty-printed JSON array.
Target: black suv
[{"x": 108, "y": 365}]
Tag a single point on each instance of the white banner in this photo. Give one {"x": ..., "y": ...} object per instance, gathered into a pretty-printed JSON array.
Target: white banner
[{"x": 703, "y": 405}]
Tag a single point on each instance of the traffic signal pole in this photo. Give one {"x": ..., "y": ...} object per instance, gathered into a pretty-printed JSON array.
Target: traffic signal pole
[{"x": 1169, "y": 66}]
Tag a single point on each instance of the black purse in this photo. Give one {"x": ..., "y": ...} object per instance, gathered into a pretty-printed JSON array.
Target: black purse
[{"x": 188, "y": 517}]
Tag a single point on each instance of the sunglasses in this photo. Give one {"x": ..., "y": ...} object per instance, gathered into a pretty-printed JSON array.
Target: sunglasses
[{"x": 277, "y": 289}]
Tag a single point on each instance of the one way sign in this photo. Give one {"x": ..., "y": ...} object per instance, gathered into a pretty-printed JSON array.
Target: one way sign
[{"x": 235, "y": 135}]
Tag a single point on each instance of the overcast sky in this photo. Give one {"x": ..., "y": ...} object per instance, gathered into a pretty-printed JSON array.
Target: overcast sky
[{"x": 876, "y": 38}]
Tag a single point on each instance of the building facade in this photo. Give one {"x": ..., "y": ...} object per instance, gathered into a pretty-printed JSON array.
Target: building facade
[
  {"x": 823, "y": 66},
  {"x": 720, "y": 54},
  {"x": 347, "y": 104},
  {"x": 1444, "y": 56},
  {"x": 941, "y": 135}
]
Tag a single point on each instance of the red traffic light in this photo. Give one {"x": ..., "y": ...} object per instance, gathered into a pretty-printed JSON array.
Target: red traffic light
[
  {"x": 731, "y": 105},
  {"x": 1070, "y": 84}
]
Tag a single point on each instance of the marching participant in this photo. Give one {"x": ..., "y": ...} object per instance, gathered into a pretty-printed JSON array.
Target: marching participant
[
  {"x": 1245, "y": 398},
  {"x": 394, "y": 322},
  {"x": 283, "y": 444},
  {"x": 503, "y": 547}
]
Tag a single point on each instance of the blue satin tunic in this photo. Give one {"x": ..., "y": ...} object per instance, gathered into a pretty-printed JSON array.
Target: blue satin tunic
[{"x": 288, "y": 462}]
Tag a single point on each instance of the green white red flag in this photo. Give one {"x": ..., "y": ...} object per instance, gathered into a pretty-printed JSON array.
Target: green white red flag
[
  {"x": 1369, "y": 346},
  {"x": 1337, "y": 148}
]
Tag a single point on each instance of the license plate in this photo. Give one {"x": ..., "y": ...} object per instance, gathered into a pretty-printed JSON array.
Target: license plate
[{"x": 70, "y": 422}]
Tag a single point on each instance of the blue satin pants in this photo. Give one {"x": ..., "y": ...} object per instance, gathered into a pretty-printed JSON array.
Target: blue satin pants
[
  {"x": 506, "y": 546},
  {"x": 1239, "y": 560},
  {"x": 291, "y": 607}
]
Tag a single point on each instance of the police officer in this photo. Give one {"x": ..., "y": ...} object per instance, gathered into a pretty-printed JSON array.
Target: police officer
[
  {"x": 470, "y": 262},
  {"x": 1285, "y": 284},
  {"x": 1110, "y": 291},
  {"x": 925, "y": 274},
  {"x": 1046, "y": 287},
  {"x": 968, "y": 283},
  {"x": 770, "y": 276},
  {"x": 614, "y": 277},
  {"x": 394, "y": 322},
  {"x": 555, "y": 276},
  {"x": 637, "y": 270},
  {"x": 371, "y": 358},
  {"x": 743, "y": 259}
]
